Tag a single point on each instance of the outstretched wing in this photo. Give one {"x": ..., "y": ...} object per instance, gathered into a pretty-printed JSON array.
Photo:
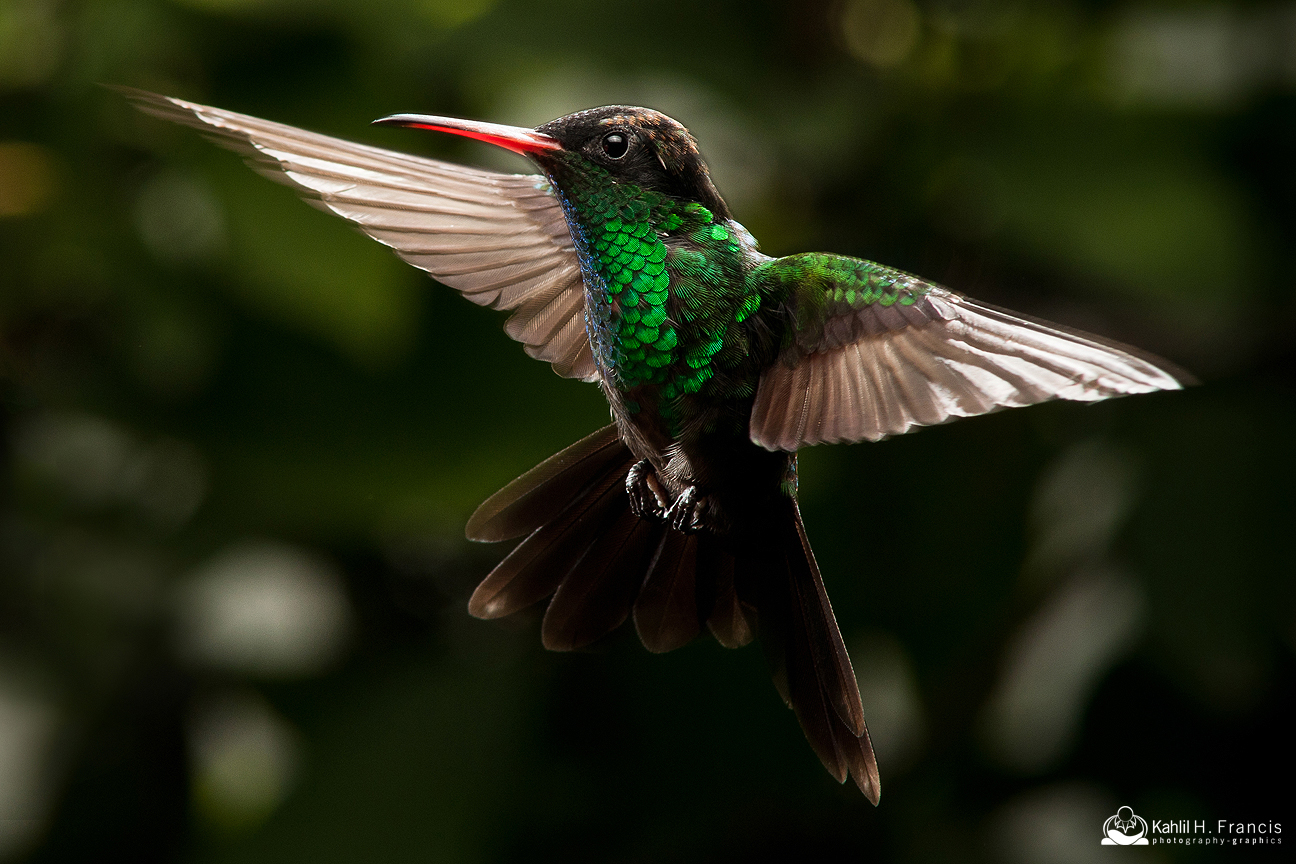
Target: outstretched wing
[
  {"x": 872, "y": 352},
  {"x": 500, "y": 239}
]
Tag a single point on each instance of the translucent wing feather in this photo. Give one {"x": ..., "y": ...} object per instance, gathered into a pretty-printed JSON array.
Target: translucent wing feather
[
  {"x": 876, "y": 352},
  {"x": 499, "y": 239}
]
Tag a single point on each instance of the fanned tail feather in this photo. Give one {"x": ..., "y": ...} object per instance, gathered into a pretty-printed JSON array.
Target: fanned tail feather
[
  {"x": 600, "y": 563},
  {"x": 596, "y": 595},
  {"x": 732, "y": 620},
  {"x": 539, "y": 564},
  {"x": 666, "y": 612},
  {"x": 585, "y": 546},
  {"x": 529, "y": 501}
]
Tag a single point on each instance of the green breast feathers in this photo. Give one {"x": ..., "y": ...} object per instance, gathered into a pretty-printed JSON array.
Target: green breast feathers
[{"x": 665, "y": 288}]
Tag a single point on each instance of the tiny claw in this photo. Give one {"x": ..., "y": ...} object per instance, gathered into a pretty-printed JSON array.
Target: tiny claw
[
  {"x": 646, "y": 500},
  {"x": 683, "y": 514}
]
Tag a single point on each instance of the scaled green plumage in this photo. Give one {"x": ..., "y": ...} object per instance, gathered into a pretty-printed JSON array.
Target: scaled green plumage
[{"x": 662, "y": 315}]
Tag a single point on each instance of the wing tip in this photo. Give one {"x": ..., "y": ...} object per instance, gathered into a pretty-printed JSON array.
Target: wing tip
[
  {"x": 155, "y": 104},
  {"x": 870, "y": 783}
]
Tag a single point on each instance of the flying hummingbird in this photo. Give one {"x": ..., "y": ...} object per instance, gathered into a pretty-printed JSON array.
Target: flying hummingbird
[{"x": 623, "y": 266}]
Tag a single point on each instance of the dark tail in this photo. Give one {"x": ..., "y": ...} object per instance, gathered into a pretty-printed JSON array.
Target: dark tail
[
  {"x": 811, "y": 667},
  {"x": 602, "y": 563}
]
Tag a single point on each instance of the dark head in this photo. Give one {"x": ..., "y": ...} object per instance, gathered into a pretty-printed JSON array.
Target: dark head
[{"x": 634, "y": 145}]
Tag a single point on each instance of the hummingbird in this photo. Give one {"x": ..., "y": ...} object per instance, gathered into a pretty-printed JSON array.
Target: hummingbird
[{"x": 623, "y": 266}]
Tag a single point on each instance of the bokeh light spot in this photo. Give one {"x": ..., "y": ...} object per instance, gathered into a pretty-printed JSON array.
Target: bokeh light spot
[
  {"x": 882, "y": 33},
  {"x": 28, "y": 727},
  {"x": 453, "y": 13},
  {"x": 31, "y": 41},
  {"x": 263, "y": 608},
  {"x": 244, "y": 757},
  {"x": 27, "y": 178},
  {"x": 95, "y": 463},
  {"x": 889, "y": 693},
  {"x": 1054, "y": 664},
  {"x": 179, "y": 218}
]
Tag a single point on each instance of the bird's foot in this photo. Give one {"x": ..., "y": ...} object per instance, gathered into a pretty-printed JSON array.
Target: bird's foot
[
  {"x": 685, "y": 514},
  {"x": 647, "y": 498}
]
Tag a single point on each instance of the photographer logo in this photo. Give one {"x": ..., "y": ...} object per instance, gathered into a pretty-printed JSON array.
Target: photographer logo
[{"x": 1125, "y": 829}]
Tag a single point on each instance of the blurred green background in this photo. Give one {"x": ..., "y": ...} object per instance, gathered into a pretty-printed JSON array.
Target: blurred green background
[{"x": 240, "y": 442}]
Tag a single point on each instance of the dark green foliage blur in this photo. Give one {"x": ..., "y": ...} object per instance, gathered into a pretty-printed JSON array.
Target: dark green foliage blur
[{"x": 240, "y": 442}]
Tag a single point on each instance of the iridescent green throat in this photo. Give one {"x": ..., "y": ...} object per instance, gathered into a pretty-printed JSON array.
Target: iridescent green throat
[{"x": 652, "y": 310}]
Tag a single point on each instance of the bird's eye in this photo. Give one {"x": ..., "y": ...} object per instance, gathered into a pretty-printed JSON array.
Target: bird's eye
[{"x": 615, "y": 145}]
